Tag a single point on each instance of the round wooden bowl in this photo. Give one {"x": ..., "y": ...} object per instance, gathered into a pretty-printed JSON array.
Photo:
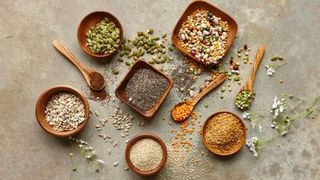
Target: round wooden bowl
[
  {"x": 42, "y": 103},
  {"x": 237, "y": 147},
  {"x": 137, "y": 138},
  {"x": 91, "y": 20}
]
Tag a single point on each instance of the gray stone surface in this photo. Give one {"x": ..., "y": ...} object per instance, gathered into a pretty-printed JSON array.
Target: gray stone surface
[{"x": 30, "y": 65}]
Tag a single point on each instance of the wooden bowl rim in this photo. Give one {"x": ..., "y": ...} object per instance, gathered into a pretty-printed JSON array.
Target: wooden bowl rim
[
  {"x": 87, "y": 50},
  {"x": 151, "y": 112},
  {"x": 177, "y": 45},
  {"x": 138, "y": 137},
  {"x": 54, "y": 90},
  {"x": 243, "y": 138}
]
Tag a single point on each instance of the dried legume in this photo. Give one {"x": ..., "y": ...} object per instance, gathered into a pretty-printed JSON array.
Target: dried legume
[{"x": 204, "y": 35}]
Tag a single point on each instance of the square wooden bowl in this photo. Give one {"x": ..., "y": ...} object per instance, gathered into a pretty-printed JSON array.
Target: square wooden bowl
[
  {"x": 120, "y": 90},
  {"x": 199, "y": 4}
]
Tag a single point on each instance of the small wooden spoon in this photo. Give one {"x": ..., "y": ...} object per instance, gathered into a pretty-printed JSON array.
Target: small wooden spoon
[
  {"x": 249, "y": 84},
  {"x": 89, "y": 74},
  {"x": 193, "y": 101}
]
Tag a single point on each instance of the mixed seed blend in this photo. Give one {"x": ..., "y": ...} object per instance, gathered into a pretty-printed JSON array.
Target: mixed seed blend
[{"x": 204, "y": 35}]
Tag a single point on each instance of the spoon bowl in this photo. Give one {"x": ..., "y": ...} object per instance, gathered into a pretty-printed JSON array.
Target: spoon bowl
[{"x": 187, "y": 113}]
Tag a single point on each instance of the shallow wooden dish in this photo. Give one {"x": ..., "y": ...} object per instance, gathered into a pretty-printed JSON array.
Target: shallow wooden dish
[
  {"x": 91, "y": 20},
  {"x": 199, "y": 4},
  {"x": 234, "y": 149},
  {"x": 137, "y": 138},
  {"x": 42, "y": 103},
  {"x": 120, "y": 90}
]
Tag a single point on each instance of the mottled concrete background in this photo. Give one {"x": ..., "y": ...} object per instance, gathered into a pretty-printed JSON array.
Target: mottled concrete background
[{"x": 30, "y": 65}]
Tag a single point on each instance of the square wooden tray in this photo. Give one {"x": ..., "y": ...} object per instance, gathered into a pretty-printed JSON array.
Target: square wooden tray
[
  {"x": 120, "y": 90},
  {"x": 199, "y": 4}
]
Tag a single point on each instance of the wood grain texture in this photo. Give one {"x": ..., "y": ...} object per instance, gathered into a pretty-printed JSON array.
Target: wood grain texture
[
  {"x": 215, "y": 83},
  {"x": 257, "y": 61},
  {"x": 83, "y": 69}
]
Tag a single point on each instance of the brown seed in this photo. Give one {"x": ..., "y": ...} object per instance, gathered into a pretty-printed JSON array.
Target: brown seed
[{"x": 96, "y": 80}]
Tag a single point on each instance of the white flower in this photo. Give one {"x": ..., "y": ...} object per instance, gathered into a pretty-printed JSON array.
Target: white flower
[
  {"x": 252, "y": 145},
  {"x": 246, "y": 115},
  {"x": 270, "y": 71},
  {"x": 277, "y": 107}
]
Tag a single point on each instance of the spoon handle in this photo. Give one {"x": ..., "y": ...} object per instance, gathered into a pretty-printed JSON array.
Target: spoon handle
[
  {"x": 259, "y": 55},
  {"x": 63, "y": 50},
  {"x": 220, "y": 79}
]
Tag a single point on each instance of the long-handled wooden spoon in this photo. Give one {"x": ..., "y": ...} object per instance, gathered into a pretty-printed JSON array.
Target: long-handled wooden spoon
[
  {"x": 94, "y": 79},
  {"x": 187, "y": 106},
  {"x": 246, "y": 92}
]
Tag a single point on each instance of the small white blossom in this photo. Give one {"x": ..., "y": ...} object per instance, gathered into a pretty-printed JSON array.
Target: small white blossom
[
  {"x": 246, "y": 115},
  {"x": 277, "y": 107},
  {"x": 252, "y": 145},
  {"x": 270, "y": 71}
]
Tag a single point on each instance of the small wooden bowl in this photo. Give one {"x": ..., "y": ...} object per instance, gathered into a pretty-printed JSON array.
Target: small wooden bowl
[
  {"x": 234, "y": 149},
  {"x": 137, "y": 138},
  {"x": 199, "y": 4},
  {"x": 42, "y": 103},
  {"x": 91, "y": 20},
  {"x": 120, "y": 90}
]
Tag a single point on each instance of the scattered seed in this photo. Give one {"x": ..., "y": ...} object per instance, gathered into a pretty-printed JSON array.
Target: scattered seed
[
  {"x": 115, "y": 164},
  {"x": 96, "y": 113}
]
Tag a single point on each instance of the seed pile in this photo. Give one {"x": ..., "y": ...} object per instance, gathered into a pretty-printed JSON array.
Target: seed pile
[
  {"x": 146, "y": 43},
  {"x": 104, "y": 37},
  {"x": 204, "y": 35},
  {"x": 64, "y": 111},
  {"x": 182, "y": 140},
  {"x": 191, "y": 167},
  {"x": 96, "y": 80},
  {"x": 145, "y": 88},
  {"x": 120, "y": 121},
  {"x": 223, "y": 132},
  {"x": 243, "y": 99},
  {"x": 181, "y": 112},
  {"x": 146, "y": 154}
]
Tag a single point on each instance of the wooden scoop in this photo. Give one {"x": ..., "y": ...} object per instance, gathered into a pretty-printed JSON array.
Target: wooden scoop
[
  {"x": 249, "y": 84},
  {"x": 193, "y": 101},
  {"x": 91, "y": 76}
]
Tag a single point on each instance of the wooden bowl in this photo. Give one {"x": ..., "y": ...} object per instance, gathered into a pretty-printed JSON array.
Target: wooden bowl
[
  {"x": 234, "y": 149},
  {"x": 199, "y": 4},
  {"x": 137, "y": 138},
  {"x": 42, "y": 103},
  {"x": 120, "y": 90},
  {"x": 91, "y": 20}
]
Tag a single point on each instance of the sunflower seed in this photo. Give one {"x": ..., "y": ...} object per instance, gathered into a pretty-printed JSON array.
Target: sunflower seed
[{"x": 115, "y": 164}]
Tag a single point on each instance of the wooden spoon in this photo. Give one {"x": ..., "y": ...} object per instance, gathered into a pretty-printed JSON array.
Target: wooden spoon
[
  {"x": 193, "y": 101},
  {"x": 249, "y": 84},
  {"x": 91, "y": 76}
]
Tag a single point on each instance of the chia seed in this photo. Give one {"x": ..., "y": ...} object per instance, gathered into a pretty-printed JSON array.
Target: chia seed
[{"x": 145, "y": 88}]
